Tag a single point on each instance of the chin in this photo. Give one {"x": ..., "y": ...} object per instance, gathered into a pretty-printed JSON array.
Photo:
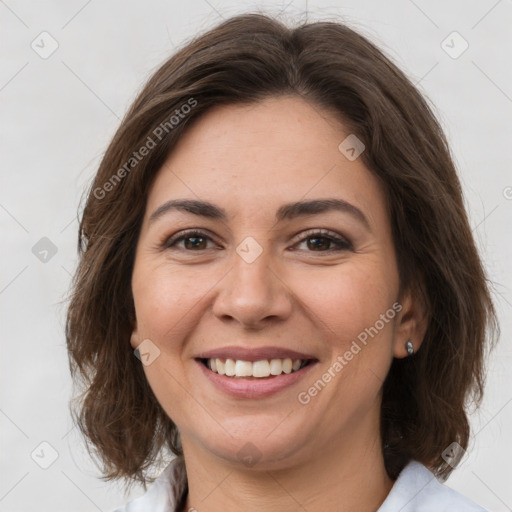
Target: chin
[{"x": 255, "y": 445}]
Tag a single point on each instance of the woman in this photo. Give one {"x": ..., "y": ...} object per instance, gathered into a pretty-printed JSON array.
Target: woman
[{"x": 277, "y": 232}]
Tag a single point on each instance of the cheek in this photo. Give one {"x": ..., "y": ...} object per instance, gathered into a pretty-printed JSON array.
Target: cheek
[
  {"x": 165, "y": 305},
  {"x": 349, "y": 298},
  {"x": 165, "y": 297}
]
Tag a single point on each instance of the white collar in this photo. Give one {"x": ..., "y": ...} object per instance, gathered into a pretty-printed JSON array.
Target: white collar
[
  {"x": 415, "y": 490},
  {"x": 418, "y": 490}
]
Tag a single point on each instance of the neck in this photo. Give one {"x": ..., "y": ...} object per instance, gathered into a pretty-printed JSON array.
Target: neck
[{"x": 346, "y": 477}]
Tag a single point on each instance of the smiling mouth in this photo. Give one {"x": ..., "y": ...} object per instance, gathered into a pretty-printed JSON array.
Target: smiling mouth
[{"x": 262, "y": 369}]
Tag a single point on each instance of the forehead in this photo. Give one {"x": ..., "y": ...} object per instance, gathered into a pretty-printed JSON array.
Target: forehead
[{"x": 264, "y": 154}]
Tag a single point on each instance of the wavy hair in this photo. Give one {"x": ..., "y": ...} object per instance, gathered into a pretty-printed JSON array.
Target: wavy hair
[{"x": 243, "y": 60}]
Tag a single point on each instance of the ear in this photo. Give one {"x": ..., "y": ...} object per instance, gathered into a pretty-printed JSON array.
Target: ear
[
  {"x": 411, "y": 323},
  {"x": 135, "y": 340}
]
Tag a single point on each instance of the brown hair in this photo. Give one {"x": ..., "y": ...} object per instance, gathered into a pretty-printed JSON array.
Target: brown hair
[{"x": 245, "y": 59}]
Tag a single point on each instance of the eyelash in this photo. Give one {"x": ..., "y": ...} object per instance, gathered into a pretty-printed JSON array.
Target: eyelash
[{"x": 342, "y": 243}]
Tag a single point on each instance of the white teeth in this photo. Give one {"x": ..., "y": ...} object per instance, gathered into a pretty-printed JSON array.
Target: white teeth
[
  {"x": 259, "y": 369},
  {"x": 230, "y": 367},
  {"x": 221, "y": 366},
  {"x": 287, "y": 365},
  {"x": 243, "y": 368},
  {"x": 276, "y": 366}
]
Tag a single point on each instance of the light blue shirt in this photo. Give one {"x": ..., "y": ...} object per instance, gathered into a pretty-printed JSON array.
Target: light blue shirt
[{"x": 415, "y": 490}]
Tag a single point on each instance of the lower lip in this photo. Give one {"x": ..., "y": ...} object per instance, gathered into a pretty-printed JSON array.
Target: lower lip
[{"x": 255, "y": 388}]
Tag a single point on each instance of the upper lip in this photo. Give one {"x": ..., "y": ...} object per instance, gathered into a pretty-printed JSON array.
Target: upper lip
[{"x": 253, "y": 354}]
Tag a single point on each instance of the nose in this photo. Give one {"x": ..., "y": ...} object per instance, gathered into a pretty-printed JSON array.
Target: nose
[{"x": 253, "y": 294}]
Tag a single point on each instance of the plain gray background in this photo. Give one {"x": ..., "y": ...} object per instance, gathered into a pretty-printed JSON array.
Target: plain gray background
[{"x": 59, "y": 112}]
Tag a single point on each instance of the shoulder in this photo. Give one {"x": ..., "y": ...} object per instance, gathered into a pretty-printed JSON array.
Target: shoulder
[
  {"x": 164, "y": 494},
  {"x": 418, "y": 490}
]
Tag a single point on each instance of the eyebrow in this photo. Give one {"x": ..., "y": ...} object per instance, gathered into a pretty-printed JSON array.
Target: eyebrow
[{"x": 287, "y": 211}]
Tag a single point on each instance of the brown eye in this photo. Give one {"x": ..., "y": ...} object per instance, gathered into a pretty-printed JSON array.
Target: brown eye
[
  {"x": 319, "y": 243},
  {"x": 195, "y": 242},
  {"x": 192, "y": 241},
  {"x": 325, "y": 241}
]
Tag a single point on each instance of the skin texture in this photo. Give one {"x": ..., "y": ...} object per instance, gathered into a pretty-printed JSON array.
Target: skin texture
[{"x": 300, "y": 293}]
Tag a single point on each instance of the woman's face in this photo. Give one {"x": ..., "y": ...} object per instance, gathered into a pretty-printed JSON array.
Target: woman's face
[{"x": 258, "y": 275}]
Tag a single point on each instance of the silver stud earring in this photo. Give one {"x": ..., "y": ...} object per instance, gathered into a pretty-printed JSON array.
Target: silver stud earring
[{"x": 410, "y": 348}]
